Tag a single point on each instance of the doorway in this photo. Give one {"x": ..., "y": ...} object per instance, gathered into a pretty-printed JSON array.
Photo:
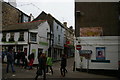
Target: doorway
[{"x": 40, "y": 51}]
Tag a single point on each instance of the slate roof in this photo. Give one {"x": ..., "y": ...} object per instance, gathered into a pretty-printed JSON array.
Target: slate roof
[
  {"x": 22, "y": 26},
  {"x": 44, "y": 15}
]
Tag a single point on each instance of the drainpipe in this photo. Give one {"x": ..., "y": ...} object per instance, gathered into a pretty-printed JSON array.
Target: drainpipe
[{"x": 28, "y": 41}]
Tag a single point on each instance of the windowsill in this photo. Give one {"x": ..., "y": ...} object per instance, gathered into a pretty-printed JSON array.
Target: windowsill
[
  {"x": 33, "y": 41},
  {"x": 101, "y": 61}
]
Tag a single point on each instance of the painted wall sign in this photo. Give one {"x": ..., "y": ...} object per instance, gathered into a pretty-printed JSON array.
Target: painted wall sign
[{"x": 90, "y": 31}]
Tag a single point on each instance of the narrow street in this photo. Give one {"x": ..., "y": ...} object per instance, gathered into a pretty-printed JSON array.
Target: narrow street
[{"x": 30, "y": 74}]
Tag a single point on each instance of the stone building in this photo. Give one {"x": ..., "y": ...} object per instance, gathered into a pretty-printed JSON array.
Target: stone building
[{"x": 12, "y": 15}]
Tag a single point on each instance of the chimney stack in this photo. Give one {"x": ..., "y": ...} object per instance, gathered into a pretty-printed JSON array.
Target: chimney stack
[
  {"x": 65, "y": 24},
  {"x": 31, "y": 17}
]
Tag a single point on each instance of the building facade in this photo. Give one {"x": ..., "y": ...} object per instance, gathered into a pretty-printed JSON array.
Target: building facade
[
  {"x": 68, "y": 40},
  {"x": 57, "y": 31},
  {"x": 96, "y": 31},
  {"x": 29, "y": 37}
]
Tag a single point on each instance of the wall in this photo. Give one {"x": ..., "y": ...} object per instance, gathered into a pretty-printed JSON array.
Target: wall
[
  {"x": 41, "y": 37},
  {"x": 58, "y": 32},
  {"x": 111, "y": 52},
  {"x": 97, "y": 14}
]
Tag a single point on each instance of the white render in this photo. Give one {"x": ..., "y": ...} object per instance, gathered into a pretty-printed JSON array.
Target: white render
[
  {"x": 111, "y": 45},
  {"x": 60, "y": 31},
  {"x": 57, "y": 32},
  {"x": 41, "y": 32}
]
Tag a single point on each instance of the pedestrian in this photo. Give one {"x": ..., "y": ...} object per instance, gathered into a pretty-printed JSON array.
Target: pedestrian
[
  {"x": 10, "y": 61},
  {"x": 23, "y": 59},
  {"x": 18, "y": 57},
  {"x": 31, "y": 60},
  {"x": 26, "y": 63},
  {"x": 39, "y": 54},
  {"x": 63, "y": 65},
  {"x": 42, "y": 67},
  {"x": 3, "y": 55},
  {"x": 49, "y": 64}
]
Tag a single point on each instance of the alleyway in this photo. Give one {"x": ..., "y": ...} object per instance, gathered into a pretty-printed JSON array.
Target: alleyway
[{"x": 25, "y": 74}]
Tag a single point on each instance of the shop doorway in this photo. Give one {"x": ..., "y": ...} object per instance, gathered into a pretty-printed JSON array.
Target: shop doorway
[{"x": 39, "y": 52}]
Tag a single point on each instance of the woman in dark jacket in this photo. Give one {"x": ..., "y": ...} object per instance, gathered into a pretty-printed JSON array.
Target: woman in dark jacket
[
  {"x": 63, "y": 64},
  {"x": 31, "y": 60},
  {"x": 42, "y": 66}
]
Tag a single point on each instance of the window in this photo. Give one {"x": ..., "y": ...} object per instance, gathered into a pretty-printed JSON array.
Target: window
[
  {"x": 57, "y": 27},
  {"x": 58, "y": 39},
  {"x": 21, "y": 38},
  {"x": 11, "y": 39},
  {"x": 33, "y": 36},
  {"x": 25, "y": 18},
  {"x": 61, "y": 29},
  {"x": 4, "y": 37}
]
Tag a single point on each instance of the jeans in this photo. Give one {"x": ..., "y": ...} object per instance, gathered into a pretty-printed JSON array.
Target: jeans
[
  {"x": 12, "y": 66},
  {"x": 62, "y": 70},
  {"x": 48, "y": 66}
]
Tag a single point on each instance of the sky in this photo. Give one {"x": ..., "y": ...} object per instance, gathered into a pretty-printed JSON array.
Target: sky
[{"x": 62, "y": 10}]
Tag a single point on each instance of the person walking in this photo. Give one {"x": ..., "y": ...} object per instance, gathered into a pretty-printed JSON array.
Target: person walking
[
  {"x": 49, "y": 64},
  {"x": 26, "y": 63},
  {"x": 63, "y": 65},
  {"x": 31, "y": 60},
  {"x": 10, "y": 61},
  {"x": 42, "y": 67},
  {"x": 23, "y": 59},
  {"x": 3, "y": 55},
  {"x": 18, "y": 57}
]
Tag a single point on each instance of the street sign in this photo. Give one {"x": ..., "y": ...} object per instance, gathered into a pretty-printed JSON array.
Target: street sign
[
  {"x": 78, "y": 47},
  {"x": 85, "y": 51}
]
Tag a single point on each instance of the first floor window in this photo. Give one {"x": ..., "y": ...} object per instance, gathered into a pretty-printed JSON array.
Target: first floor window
[{"x": 33, "y": 36}]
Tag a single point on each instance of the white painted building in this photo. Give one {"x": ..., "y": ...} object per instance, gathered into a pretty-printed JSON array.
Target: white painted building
[
  {"x": 108, "y": 45},
  {"x": 28, "y": 37},
  {"x": 58, "y": 43}
]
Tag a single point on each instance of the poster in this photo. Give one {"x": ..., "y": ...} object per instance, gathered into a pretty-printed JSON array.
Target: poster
[{"x": 100, "y": 53}]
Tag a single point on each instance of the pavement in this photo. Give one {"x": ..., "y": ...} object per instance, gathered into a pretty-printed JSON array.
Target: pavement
[{"x": 30, "y": 74}]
